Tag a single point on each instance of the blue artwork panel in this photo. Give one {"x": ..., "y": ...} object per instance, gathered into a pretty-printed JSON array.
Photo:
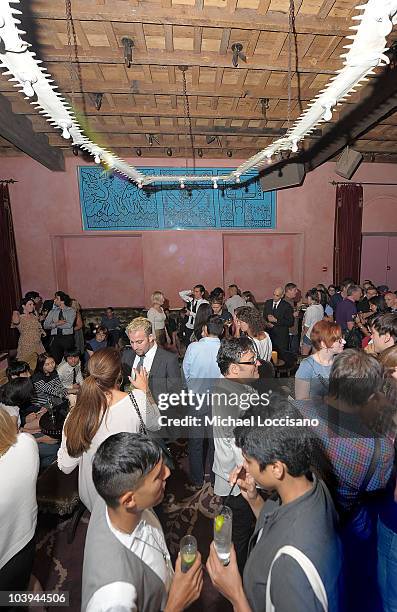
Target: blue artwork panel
[{"x": 110, "y": 202}]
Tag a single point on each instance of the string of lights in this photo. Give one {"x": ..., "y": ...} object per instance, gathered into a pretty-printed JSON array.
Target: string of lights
[{"x": 366, "y": 51}]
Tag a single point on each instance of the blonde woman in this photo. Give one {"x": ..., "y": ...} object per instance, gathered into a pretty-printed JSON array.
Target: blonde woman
[
  {"x": 157, "y": 317},
  {"x": 19, "y": 467}
]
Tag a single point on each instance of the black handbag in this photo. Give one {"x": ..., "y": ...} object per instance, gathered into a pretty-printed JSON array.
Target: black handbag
[{"x": 167, "y": 455}]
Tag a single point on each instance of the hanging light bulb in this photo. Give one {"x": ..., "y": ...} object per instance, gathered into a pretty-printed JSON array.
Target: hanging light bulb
[
  {"x": 294, "y": 147},
  {"x": 327, "y": 112},
  {"x": 269, "y": 158},
  {"x": 139, "y": 184},
  {"x": 182, "y": 185},
  {"x": 215, "y": 184},
  {"x": 65, "y": 130},
  {"x": 97, "y": 159},
  {"x": 237, "y": 178},
  {"x": 28, "y": 89}
]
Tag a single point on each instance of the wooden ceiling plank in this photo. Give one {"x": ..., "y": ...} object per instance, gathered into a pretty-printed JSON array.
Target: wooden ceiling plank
[
  {"x": 18, "y": 130},
  {"x": 197, "y": 40},
  {"x": 214, "y": 17},
  {"x": 225, "y": 41},
  {"x": 325, "y": 8},
  {"x": 108, "y": 26},
  {"x": 169, "y": 38},
  {"x": 205, "y": 59}
]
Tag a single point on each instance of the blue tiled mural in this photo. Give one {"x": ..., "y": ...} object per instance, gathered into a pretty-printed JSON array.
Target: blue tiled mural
[{"x": 109, "y": 202}]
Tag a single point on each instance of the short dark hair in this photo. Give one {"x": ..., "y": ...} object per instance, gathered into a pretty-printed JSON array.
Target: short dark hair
[
  {"x": 352, "y": 289},
  {"x": 313, "y": 294},
  {"x": 72, "y": 353},
  {"x": 354, "y": 377},
  {"x": 379, "y": 302},
  {"x": 103, "y": 329},
  {"x": 386, "y": 324},
  {"x": 217, "y": 293},
  {"x": 231, "y": 351},
  {"x": 201, "y": 287},
  {"x": 17, "y": 392},
  {"x": 110, "y": 308},
  {"x": 289, "y": 286},
  {"x": 16, "y": 368},
  {"x": 235, "y": 287},
  {"x": 215, "y": 326},
  {"x": 120, "y": 462},
  {"x": 64, "y": 297},
  {"x": 290, "y": 445}
]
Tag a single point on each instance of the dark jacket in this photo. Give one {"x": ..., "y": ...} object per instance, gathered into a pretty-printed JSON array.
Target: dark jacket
[
  {"x": 279, "y": 333},
  {"x": 165, "y": 373}
]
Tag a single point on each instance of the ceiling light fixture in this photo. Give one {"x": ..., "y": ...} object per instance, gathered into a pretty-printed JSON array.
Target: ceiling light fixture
[
  {"x": 265, "y": 105},
  {"x": 237, "y": 50},
  {"x": 200, "y": 152},
  {"x": 75, "y": 150},
  {"x": 138, "y": 152},
  {"x": 96, "y": 99},
  {"x": 229, "y": 153},
  {"x": 128, "y": 45},
  {"x": 169, "y": 152}
]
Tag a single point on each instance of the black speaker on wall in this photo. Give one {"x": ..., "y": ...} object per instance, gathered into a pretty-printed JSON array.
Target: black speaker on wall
[
  {"x": 290, "y": 175},
  {"x": 348, "y": 163}
]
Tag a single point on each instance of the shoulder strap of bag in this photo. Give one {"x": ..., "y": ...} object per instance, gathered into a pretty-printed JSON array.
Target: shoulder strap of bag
[
  {"x": 309, "y": 570},
  {"x": 372, "y": 466},
  {"x": 135, "y": 404}
]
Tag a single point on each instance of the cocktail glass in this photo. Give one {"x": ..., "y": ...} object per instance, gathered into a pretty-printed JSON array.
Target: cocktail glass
[
  {"x": 223, "y": 534},
  {"x": 188, "y": 548}
]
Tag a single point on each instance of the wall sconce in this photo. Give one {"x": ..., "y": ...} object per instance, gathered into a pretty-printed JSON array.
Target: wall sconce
[
  {"x": 128, "y": 45},
  {"x": 169, "y": 152},
  {"x": 138, "y": 152},
  {"x": 200, "y": 152},
  {"x": 229, "y": 153}
]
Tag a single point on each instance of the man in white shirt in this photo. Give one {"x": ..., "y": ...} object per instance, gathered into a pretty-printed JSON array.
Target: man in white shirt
[
  {"x": 194, "y": 298},
  {"x": 130, "y": 477},
  {"x": 234, "y": 300},
  {"x": 238, "y": 363},
  {"x": 201, "y": 370},
  {"x": 69, "y": 371},
  {"x": 161, "y": 365}
]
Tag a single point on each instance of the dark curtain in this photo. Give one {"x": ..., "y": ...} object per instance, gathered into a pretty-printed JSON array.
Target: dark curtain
[
  {"x": 347, "y": 237},
  {"x": 10, "y": 284}
]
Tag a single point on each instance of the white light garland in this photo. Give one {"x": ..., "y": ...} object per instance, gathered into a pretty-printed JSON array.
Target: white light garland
[{"x": 366, "y": 52}]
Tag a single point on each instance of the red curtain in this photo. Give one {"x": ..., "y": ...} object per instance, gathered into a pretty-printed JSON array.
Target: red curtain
[
  {"x": 347, "y": 237},
  {"x": 10, "y": 284}
]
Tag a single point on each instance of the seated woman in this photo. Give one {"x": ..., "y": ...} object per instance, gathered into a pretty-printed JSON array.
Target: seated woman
[
  {"x": 102, "y": 410},
  {"x": 100, "y": 341},
  {"x": 16, "y": 399},
  {"x": 47, "y": 385},
  {"x": 19, "y": 467},
  {"x": 311, "y": 378},
  {"x": 250, "y": 322}
]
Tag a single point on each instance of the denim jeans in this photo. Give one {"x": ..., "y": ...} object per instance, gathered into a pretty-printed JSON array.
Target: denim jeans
[{"x": 387, "y": 567}]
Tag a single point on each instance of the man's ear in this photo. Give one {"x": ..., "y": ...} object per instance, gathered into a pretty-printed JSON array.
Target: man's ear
[
  {"x": 387, "y": 337},
  {"x": 152, "y": 338},
  {"x": 278, "y": 470},
  {"x": 127, "y": 500},
  {"x": 234, "y": 368}
]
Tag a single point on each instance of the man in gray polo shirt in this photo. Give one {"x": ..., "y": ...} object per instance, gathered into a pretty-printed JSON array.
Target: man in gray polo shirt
[
  {"x": 277, "y": 458},
  {"x": 127, "y": 565}
]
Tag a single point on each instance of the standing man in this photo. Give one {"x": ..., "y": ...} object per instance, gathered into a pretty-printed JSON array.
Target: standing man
[
  {"x": 60, "y": 321},
  {"x": 347, "y": 309},
  {"x": 290, "y": 296},
  {"x": 161, "y": 365},
  {"x": 279, "y": 317},
  {"x": 194, "y": 299},
  {"x": 201, "y": 371},
  {"x": 234, "y": 300},
  {"x": 238, "y": 363},
  {"x": 127, "y": 565}
]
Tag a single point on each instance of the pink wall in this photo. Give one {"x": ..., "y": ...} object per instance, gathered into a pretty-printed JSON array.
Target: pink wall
[{"x": 123, "y": 268}]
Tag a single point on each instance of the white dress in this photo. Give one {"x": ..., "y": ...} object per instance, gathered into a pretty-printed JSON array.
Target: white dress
[
  {"x": 121, "y": 417},
  {"x": 156, "y": 318},
  {"x": 264, "y": 348}
]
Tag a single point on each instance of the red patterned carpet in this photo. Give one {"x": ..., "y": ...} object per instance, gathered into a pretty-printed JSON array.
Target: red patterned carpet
[{"x": 58, "y": 564}]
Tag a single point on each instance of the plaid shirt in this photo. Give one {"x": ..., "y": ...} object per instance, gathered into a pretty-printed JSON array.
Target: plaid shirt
[{"x": 348, "y": 447}]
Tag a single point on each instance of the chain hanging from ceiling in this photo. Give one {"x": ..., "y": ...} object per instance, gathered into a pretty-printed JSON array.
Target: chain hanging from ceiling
[
  {"x": 291, "y": 21},
  {"x": 187, "y": 116},
  {"x": 74, "y": 65}
]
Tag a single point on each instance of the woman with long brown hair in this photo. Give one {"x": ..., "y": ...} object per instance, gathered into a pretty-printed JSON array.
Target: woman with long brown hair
[{"x": 102, "y": 410}]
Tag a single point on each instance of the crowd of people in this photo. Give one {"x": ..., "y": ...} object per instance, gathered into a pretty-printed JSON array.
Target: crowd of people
[{"x": 308, "y": 473}]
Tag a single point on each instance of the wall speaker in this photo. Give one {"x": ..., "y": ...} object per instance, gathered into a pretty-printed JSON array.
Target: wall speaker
[
  {"x": 348, "y": 163},
  {"x": 290, "y": 175}
]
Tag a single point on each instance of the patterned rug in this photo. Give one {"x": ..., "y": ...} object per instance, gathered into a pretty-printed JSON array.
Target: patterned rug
[{"x": 58, "y": 564}]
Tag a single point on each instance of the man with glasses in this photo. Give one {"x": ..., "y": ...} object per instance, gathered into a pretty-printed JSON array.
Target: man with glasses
[{"x": 231, "y": 396}]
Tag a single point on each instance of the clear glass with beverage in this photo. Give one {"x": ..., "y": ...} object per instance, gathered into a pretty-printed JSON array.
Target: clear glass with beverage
[
  {"x": 188, "y": 549},
  {"x": 223, "y": 534}
]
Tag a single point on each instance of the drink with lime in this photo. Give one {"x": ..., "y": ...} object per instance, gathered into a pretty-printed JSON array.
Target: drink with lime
[
  {"x": 223, "y": 534},
  {"x": 188, "y": 548}
]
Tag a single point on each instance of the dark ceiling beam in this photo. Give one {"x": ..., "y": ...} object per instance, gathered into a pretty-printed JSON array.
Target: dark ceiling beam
[
  {"x": 18, "y": 130},
  {"x": 378, "y": 101}
]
